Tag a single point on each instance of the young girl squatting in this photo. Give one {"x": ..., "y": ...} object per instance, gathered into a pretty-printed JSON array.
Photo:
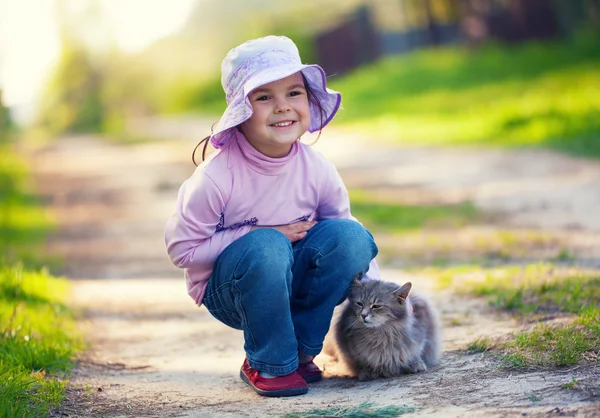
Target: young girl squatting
[{"x": 263, "y": 228}]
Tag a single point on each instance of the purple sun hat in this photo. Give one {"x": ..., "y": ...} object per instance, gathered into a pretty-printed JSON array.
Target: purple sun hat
[{"x": 262, "y": 61}]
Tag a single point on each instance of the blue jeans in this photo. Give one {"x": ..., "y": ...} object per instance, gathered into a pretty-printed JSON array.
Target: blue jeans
[{"x": 282, "y": 295}]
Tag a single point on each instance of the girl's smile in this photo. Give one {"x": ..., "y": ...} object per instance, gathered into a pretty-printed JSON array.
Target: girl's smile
[{"x": 284, "y": 124}]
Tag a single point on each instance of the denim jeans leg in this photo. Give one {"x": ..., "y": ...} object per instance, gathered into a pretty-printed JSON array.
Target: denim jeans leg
[
  {"x": 325, "y": 262},
  {"x": 250, "y": 290}
]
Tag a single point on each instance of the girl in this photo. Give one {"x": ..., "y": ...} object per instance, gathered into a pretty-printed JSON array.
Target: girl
[{"x": 263, "y": 228}]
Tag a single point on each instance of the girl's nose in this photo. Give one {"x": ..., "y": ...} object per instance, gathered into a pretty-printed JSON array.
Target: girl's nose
[{"x": 282, "y": 106}]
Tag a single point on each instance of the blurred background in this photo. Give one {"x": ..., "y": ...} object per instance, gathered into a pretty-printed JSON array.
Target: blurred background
[
  {"x": 511, "y": 71},
  {"x": 76, "y": 76}
]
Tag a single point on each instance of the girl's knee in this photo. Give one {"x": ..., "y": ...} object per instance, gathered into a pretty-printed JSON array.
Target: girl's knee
[
  {"x": 268, "y": 244},
  {"x": 266, "y": 261},
  {"x": 352, "y": 236}
]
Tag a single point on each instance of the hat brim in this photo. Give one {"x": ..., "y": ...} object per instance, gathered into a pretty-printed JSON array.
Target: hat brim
[{"x": 239, "y": 109}]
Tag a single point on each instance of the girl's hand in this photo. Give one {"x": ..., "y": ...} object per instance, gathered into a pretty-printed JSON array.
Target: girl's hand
[{"x": 294, "y": 232}]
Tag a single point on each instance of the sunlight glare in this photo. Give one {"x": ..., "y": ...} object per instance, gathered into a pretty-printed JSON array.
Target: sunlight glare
[
  {"x": 30, "y": 45},
  {"x": 137, "y": 23}
]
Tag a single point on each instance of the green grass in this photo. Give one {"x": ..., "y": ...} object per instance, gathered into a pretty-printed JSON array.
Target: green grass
[
  {"x": 397, "y": 218},
  {"x": 480, "y": 345},
  {"x": 573, "y": 384},
  {"x": 539, "y": 289},
  {"x": 363, "y": 410},
  {"x": 38, "y": 338},
  {"x": 23, "y": 222},
  {"x": 416, "y": 236},
  {"x": 531, "y": 94},
  {"x": 535, "y": 292}
]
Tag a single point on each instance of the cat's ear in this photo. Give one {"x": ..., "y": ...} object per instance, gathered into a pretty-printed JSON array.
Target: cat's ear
[
  {"x": 356, "y": 281},
  {"x": 402, "y": 292}
]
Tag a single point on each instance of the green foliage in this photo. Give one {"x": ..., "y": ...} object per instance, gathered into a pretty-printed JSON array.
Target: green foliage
[
  {"x": 6, "y": 124},
  {"x": 531, "y": 94},
  {"x": 553, "y": 346},
  {"x": 537, "y": 290},
  {"x": 206, "y": 96},
  {"x": 92, "y": 95},
  {"x": 573, "y": 384},
  {"x": 23, "y": 223},
  {"x": 363, "y": 410},
  {"x": 127, "y": 89},
  {"x": 37, "y": 339},
  {"x": 480, "y": 345},
  {"x": 392, "y": 217},
  {"x": 25, "y": 394},
  {"x": 72, "y": 101},
  {"x": 37, "y": 330}
]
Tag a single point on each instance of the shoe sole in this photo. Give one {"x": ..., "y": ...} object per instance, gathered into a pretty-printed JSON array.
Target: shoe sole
[
  {"x": 312, "y": 379},
  {"x": 273, "y": 393}
]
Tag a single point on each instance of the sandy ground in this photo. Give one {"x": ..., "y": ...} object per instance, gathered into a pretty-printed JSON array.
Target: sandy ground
[{"x": 153, "y": 353}]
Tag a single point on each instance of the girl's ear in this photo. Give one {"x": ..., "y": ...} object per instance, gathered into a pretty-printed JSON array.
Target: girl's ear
[{"x": 402, "y": 292}]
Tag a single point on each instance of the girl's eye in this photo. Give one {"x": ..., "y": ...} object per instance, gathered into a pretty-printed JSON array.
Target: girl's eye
[
  {"x": 359, "y": 304},
  {"x": 376, "y": 306},
  {"x": 262, "y": 98},
  {"x": 295, "y": 93}
]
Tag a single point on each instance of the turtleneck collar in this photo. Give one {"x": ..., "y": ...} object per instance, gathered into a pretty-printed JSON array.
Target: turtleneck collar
[{"x": 261, "y": 163}]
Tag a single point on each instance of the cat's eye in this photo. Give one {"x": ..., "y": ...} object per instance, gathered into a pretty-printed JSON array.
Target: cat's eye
[
  {"x": 376, "y": 306},
  {"x": 359, "y": 304}
]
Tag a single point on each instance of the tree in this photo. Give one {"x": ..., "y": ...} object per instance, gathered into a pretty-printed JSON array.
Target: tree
[
  {"x": 72, "y": 100},
  {"x": 6, "y": 124}
]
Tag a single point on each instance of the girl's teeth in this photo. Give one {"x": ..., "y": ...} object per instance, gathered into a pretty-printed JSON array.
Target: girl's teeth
[{"x": 282, "y": 124}]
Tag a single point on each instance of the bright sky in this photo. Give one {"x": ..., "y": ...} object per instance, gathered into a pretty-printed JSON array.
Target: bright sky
[{"x": 29, "y": 44}]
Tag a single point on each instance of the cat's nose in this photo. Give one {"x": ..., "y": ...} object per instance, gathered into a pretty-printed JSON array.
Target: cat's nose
[{"x": 364, "y": 315}]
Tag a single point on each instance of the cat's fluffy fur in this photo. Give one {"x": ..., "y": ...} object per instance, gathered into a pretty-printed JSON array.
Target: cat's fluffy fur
[{"x": 384, "y": 330}]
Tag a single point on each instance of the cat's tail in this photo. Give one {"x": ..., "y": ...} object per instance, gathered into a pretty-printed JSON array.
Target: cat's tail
[{"x": 432, "y": 350}]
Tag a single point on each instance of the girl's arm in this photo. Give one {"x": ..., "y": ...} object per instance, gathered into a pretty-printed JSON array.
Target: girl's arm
[
  {"x": 190, "y": 234},
  {"x": 333, "y": 198}
]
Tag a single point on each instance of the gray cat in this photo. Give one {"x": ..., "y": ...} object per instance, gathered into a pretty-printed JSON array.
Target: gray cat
[{"x": 383, "y": 331}]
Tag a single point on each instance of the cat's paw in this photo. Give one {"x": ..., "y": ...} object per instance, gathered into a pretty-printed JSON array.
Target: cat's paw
[
  {"x": 365, "y": 375},
  {"x": 416, "y": 367}
]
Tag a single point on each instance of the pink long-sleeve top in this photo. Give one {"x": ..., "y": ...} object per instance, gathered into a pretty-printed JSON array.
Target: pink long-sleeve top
[{"x": 237, "y": 188}]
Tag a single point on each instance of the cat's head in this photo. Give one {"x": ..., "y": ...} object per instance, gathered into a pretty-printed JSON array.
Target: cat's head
[{"x": 376, "y": 302}]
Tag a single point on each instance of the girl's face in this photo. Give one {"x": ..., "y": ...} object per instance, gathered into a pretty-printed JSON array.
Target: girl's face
[{"x": 280, "y": 116}]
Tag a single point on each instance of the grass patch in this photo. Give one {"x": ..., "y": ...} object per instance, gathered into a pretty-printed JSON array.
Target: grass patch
[
  {"x": 535, "y": 292},
  {"x": 539, "y": 288},
  {"x": 474, "y": 244},
  {"x": 553, "y": 346},
  {"x": 573, "y": 384},
  {"x": 530, "y": 94},
  {"x": 544, "y": 94},
  {"x": 23, "y": 222},
  {"x": 397, "y": 218},
  {"x": 38, "y": 339},
  {"x": 363, "y": 410},
  {"x": 480, "y": 345}
]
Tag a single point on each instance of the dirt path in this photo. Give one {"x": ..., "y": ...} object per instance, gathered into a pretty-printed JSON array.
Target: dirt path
[{"x": 154, "y": 353}]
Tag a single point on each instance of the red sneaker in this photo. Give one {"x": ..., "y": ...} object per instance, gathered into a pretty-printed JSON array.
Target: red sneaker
[
  {"x": 291, "y": 385},
  {"x": 310, "y": 372}
]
